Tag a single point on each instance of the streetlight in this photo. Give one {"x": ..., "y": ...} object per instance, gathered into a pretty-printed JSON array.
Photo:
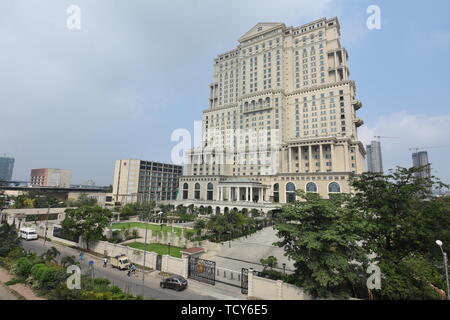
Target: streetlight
[
  {"x": 229, "y": 238},
  {"x": 48, "y": 213},
  {"x": 145, "y": 251},
  {"x": 284, "y": 268},
  {"x": 169, "y": 248},
  {"x": 439, "y": 243}
]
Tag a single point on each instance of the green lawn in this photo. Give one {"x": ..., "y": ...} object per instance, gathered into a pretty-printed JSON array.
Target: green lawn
[
  {"x": 158, "y": 248},
  {"x": 153, "y": 227}
]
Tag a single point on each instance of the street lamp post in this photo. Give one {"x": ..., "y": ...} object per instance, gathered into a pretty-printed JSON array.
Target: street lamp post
[
  {"x": 46, "y": 223},
  {"x": 169, "y": 248},
  {"x": 439, "y": 243},
  {"x": 143, "y": 267},
  {"x": 284, "y": 268}
]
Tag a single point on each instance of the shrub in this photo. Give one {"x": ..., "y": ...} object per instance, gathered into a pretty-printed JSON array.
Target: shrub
[{"x": 23, "y": 267}]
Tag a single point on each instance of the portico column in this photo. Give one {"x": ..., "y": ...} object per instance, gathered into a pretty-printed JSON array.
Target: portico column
[
  {"x": 299, "y": 153},
  {"x": 251, "y": 194},
  {"x": 229, "y": 193}
]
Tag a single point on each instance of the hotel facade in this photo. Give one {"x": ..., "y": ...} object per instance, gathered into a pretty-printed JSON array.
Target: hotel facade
[{"x": 282, "y": 116}]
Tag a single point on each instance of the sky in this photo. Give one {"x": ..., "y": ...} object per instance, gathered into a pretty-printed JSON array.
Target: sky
[{"x": 137, "y": 70}]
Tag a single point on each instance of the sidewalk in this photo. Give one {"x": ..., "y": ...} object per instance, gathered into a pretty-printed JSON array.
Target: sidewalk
[{"x": 19, "y": 289}]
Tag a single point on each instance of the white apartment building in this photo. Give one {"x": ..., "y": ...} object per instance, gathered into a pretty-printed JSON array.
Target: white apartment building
[
  {"x": 144, "y": 181},
  {"x": 281, "y": 117}
]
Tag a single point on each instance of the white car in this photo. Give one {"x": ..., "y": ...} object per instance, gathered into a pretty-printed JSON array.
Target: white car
[{"x": 28, "y": 233}]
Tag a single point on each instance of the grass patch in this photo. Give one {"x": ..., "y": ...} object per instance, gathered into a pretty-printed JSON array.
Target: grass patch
[
  {"x": 158, "y": 248},
  {"x": 14, "y": 281},
  {"x": 153, "y": 227}
]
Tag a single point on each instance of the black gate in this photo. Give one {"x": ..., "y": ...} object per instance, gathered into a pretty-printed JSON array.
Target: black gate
[
  {"x": 244, "y": 281},
  {"x": 158, "y": 262},
  {"x": 202, "y": 270}
]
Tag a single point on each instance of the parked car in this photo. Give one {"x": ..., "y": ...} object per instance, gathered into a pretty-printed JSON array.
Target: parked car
[
  {"x": 28, "y": 233},
  {"x": 175, "y": 282},
  {"x": 120, "y": 262}
]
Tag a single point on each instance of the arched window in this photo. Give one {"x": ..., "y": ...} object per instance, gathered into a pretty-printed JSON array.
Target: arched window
[
  {"x": 197, "y": 191},
  {"x": 311, "y": 187},
  {"x": 334, "y": 187},
  {"x": 290, "y": 192},
  {"x": 210, "y": 191},
  {"x": 276, "y": 192},
  {"x": 185, "y": 191}
]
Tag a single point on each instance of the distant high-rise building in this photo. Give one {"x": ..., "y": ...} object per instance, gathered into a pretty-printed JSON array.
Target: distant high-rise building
[
  {"x": 420, "y": 159},
  {"x": 374, "y": 159},
  {"x": 6, "y": 168},
  {"x": 143, "y": 181},
  {"x": 51, "y": 178}
]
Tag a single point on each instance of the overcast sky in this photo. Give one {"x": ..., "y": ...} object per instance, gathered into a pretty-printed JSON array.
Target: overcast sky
[{"x": 137, "y": 70}]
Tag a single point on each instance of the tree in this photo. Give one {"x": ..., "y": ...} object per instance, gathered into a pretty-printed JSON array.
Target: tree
[
  {"x": 321, "y": 237},
  {"x": 50, "y": 255},
  {"x": 67, "y": 261},
  {"x": 199, "y": 225},
  {"x": 87, "y": 222},
  {"x": 8, "y": 239},
  {"x": 270, "y": 262},
  {"x": 83, "y": 200},
  {"x": 404, "y": 220}
]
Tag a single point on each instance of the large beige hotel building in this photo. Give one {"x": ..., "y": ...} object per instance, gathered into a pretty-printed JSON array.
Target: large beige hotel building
[{"x": 281, "y": 117}]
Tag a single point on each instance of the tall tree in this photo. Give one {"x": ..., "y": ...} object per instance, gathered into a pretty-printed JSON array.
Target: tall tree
[
  {"x": 87, "y": 222},
  {"x": 404, "y": 221},
  {"x": 322, "y": 237},
  {"x": 8, "y": 239}
]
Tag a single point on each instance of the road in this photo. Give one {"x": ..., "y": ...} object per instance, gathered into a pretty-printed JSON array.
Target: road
[{"x": 132, "y": 284}]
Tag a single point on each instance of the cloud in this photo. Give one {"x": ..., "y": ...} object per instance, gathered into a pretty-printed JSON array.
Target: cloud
[
  {"x": 432, "y": 133},
  {"x": 116, "y": 88}
]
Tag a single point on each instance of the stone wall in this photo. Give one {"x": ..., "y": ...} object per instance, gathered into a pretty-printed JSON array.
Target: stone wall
[{"x": 274, "y": 289}]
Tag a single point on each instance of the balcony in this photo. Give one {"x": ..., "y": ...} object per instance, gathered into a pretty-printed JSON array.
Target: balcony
[
  {"x": 358, "y": 122},
  {"x": 357, "y": 104}
]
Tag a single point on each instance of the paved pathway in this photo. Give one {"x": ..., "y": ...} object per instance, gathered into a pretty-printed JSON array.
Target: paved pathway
[
  {"x": 247, "y": 252},
  {"x": 19, "y": 288},
  {"x": 5, "y": 294}
]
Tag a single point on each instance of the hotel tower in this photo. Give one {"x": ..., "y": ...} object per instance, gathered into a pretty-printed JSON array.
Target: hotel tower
[{"x": 282, "y": 116}]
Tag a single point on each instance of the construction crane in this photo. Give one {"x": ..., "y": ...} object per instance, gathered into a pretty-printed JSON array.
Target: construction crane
[
  {"x": 425, "y": 148},
  {"x": 383, "y": 137}
]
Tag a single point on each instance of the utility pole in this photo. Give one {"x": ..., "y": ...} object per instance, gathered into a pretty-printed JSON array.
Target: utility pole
[{"x": 143, "y": 267}]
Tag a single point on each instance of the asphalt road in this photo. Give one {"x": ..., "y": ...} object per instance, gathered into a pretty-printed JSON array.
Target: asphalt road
[{"x": 132, "y": 284}]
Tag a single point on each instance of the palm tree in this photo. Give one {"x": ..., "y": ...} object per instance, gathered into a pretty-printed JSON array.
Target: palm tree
[
  {"x": 68, "y": 261},
  {"x": 50, "y": 255}
]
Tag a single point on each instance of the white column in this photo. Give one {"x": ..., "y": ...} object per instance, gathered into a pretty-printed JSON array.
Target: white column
[
  {"x": 333, "y": 167},
  {"x": 289, "y": 160},
  {"x": 321, "y": 157},
  {"x": 347, "y": 166},
  {"x": 310, "y": 158},
  {"x": 299, "y": 153},
  {"x": 229, "y": 193},
  {"x": 251, "y": 194}
]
